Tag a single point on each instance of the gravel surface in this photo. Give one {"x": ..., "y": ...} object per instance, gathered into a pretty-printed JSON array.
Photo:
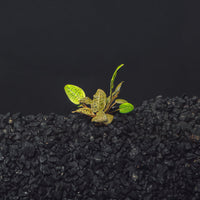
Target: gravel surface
[{"x": 152, "y": 153}]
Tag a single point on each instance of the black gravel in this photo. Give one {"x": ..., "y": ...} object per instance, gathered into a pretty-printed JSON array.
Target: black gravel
[{"x": 152, "y": 153}]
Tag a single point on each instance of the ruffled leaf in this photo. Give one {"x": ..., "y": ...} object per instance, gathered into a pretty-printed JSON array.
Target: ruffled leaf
[
  {"x": 100, "y": 117},
  {"x": 99, "y": 101},
  {"x": 86, "y": 100}
]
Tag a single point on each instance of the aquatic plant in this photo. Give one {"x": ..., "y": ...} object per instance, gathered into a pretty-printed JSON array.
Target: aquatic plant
[{"x": 99, "y": 108}]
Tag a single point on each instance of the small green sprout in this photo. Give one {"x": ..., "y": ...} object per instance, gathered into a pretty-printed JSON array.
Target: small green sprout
[{"x": 100, "y": 105}]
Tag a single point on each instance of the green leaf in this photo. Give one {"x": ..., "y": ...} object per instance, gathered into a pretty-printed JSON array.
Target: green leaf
[
  {"x": 99, "y": 101},
  {"x": 120, "y": 101},
  {"x": 74, "y": 93},
  {"x": 85, "y": 111},
  {"x": 126, "y": 107},
  {"x": 100, "y": 117},
  {"x": 113, "y": 78}
]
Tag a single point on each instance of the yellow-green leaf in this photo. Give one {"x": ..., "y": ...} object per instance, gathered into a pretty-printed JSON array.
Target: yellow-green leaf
[
  {"x": 99, "y": 101},
  {"x": 100, "y": 117},
  {"x": 74, "y": 93},
  {"x": 85, "y": 110},
  {"x": 110, "y": 119},
  {"x": 117, "y": 89},
  {"x": 113, "y": 78},
  {"x": 126, "y": 107},
  {"x": 86, "y": 100},
  {"x": 120, "y": 101}
]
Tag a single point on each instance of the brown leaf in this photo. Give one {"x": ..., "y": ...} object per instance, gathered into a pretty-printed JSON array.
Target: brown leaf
[
  {"x": 117, "y": 89},
  {"x": 114, "y": 96},
  {"x": 85, "y": 110},
  {"x": 100, "y": 117},
  {"x": 99, "y": 101},
  {"x": 120, "y": 101},
  {"x": 110, "y": 119},
  {"x": 86, "y": 100}
]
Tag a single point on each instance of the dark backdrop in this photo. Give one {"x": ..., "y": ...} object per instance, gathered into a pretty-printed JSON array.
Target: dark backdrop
[{"x": 47, "y": 44}]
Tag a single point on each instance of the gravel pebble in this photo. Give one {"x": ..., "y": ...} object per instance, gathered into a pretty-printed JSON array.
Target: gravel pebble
[{"x": 151, "y": 153}]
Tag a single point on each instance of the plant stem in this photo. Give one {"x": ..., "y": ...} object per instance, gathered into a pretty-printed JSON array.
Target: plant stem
[
  {"x": 112, "y": 105},
  {"x": 114, "y": 111},
  {"x": 108, "y": 105}
]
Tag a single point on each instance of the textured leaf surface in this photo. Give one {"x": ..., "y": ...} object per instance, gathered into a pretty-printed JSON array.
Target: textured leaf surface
[
  {"x": 99, "y": 101},
  {"x": 100, "y": 117},
  {"x": 113, "y": 78},
  {"x": 86, "y": 111},
  {"x": 117, "y": 89},
  {"x": 120, "y": 101},
  {"x": 74, "y": 93},
  {"x": 110, "y": 119},
  {"x": 86, "y": 100},
  {"x": 114, "y": 96},
  {"x": 126, "y": 107}
]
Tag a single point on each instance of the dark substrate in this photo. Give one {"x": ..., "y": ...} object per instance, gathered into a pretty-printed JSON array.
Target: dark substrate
[{"x": 151, "y": 153}]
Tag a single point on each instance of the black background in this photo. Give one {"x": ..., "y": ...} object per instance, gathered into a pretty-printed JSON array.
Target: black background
[{"x": 47, "y": 44}]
